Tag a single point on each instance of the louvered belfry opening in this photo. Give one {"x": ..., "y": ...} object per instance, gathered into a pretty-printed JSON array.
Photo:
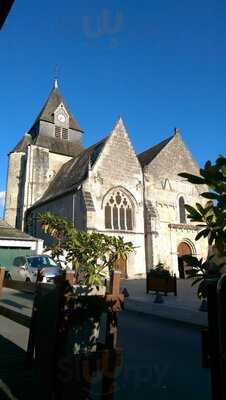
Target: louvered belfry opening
[
  {"x": 118, "y": 212},
  {"x": 61, "y": 133},
  {"x": 65, "y": 133}
]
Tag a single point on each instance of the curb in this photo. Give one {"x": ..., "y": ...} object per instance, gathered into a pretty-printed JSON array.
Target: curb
[{"x": 192, "y": 317}]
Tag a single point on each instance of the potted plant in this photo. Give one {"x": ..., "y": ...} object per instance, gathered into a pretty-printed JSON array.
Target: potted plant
[
  {"x": 92, "y": 256},
  {"x": 159, "y": 279},
  {"x": 159, "y": 272}
]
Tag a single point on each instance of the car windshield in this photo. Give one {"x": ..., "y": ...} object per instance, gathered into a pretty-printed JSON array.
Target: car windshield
[{"x": 41, "y": 262}]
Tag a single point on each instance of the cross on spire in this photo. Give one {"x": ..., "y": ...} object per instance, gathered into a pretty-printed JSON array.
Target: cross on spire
[
  {"x": 176, "y": 131},
  {"x": 56, "y": 77}
]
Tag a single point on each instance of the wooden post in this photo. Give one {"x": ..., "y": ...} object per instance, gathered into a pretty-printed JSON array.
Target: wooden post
[
  {"x": 31, "y": 340},
  {"x": 115, "y": 282},
  {"x": 108, "y": 383},
  {"x": 70, "y": 277},
  {"x": 39, "y": 276},
  {"x": 2, "y": 275},
  {"x": 147, "y": 284},
  {"x": 112, "y": 322},
  {"x": 175, "y": 285},
  {"x": 214, "y": 347}
]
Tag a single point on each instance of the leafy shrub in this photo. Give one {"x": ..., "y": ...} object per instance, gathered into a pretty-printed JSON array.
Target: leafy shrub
[
  {"x": 90, "y": 253},
  {"x": 159, "y": 271},
  {"x": 212, "y": 221}
]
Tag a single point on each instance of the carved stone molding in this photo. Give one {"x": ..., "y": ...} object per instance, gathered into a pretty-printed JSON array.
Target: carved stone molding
[
  {"x": 139, "y": 185},
  {"x": 186, "y": 227},
  {"x": 165, "y": 204},
  {"x": 98, "y": 178}
]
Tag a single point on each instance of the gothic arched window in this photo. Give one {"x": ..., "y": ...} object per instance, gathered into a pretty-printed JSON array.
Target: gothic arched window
[
  {"x": 118, "y": 211},
  {"x": 182, "y": 212}
]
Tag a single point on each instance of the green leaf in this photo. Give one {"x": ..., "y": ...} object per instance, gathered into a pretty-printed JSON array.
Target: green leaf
[
  {"x": 191, "y": 260},
  {"x": 194, "y": 214},
  {"x": 210, "y": 195},
  {"x": 193, "y": 178},
  {"x": 204, "y": 233},
  {"x": 197, "y": 280}
]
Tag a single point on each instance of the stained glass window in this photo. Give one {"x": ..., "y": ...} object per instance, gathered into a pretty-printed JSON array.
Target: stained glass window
[
  {"x": 115, "y": 217},
  {"x": 108, "y": 217},
  {"x": 118, "y": 212}
]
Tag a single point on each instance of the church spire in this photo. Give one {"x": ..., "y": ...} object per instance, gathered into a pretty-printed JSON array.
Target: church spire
[
  {"x": 54, "y": 100},
  {"x": 176, "y": 131}
]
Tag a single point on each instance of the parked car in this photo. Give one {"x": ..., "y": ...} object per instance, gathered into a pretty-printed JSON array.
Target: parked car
[{"x": 25, "y": 268}]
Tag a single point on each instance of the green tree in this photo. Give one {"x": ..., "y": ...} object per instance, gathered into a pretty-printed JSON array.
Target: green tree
[
  {"x": 90, "y": 253},
  {"x": 212, "y": 221}
]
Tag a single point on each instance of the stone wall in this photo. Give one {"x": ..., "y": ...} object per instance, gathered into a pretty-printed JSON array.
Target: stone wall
[
  {"x": 70, "y": 206},
  {"x": 163, "y": 188},
  {"x": 118, "y": 167},
  {"x": 14, "y": 188},
  {"x": 41, "y": 168},
  {"x": 47, "y": 129}
]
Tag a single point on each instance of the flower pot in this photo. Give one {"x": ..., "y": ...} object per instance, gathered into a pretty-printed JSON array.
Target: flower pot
[
  {"x": 165, "y": 285},
  {"x": 84, "y": 330}
]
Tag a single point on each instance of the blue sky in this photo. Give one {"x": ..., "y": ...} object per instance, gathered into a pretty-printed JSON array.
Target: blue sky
[{"x": 158, "y": 64}]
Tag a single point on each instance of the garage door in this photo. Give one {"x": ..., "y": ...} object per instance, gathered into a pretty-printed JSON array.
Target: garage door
[{"x": 7, "y": 254}]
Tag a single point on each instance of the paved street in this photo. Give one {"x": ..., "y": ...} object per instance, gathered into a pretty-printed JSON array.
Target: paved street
[{"x": 162, "y": 358}]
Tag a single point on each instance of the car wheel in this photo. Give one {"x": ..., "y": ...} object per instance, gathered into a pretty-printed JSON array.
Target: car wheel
[{"x": 28, "y": 280}]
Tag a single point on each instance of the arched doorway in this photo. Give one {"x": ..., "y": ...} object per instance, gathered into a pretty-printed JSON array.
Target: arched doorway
[{"x": 183, "y": 250}]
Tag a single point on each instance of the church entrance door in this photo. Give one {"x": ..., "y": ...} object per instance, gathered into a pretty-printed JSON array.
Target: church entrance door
[
  {"x": 121, "y": 265},
  {"x": 183, "y": 250}
]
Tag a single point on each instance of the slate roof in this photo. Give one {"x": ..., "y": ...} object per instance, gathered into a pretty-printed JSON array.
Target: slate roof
[
  {"x": 72, "y": 174},
  {"x": 148, "y": 155},
  {"x": 47, "y": 112},
  {"x": 22, "y": 144},
  {"x": 8, "y": 232},
  {"x": 64, "y": 147},
  {"x": 54, "y": 145}
]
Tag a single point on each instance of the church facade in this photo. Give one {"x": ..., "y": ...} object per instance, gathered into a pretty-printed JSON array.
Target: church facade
[{"x": 106, "y": 188}]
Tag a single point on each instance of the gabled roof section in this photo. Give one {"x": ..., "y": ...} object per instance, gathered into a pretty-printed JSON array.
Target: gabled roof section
[
  {"x": 148, "y": 155},
  {"x": 72, "y": 174},
  {"x": 8, "y": 232},
  {"x": 47, "y": 112}
]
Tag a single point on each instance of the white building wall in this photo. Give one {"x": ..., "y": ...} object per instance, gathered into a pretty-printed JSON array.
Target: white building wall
[{"x": 36, "y": 245}]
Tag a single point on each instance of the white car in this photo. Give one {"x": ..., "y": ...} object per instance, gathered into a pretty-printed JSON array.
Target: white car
[{"x": 25, "y": 268}]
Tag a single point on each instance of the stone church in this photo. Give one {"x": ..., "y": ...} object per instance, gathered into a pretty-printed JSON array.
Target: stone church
[{"x": 106, "y": 188}]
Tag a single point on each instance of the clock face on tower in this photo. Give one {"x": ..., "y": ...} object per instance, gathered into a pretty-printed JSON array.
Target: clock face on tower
[{"x": 61, "y": 118}]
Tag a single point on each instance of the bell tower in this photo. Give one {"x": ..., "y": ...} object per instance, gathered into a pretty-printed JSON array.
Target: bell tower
[{"x": 54, "y": 138}]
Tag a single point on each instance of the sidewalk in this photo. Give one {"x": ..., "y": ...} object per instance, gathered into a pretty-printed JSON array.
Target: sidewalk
[{"x": 183, "y": 307}]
